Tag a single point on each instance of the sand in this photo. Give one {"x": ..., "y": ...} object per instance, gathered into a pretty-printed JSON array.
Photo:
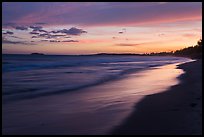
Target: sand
[{"x": 177, "y": 111}]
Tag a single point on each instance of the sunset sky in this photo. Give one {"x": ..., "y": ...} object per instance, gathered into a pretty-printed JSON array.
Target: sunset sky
[{"x": 99, "y": 27}]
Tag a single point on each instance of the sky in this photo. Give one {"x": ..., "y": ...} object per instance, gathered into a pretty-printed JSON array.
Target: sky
[{"x": 73, "y": 28}]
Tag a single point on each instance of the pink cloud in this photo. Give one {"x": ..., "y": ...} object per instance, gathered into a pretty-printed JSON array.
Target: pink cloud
[
  {"x": 91, "y": 41},
  {"x": 189, "y": 35},
  {"x": 127, "y": 45}
]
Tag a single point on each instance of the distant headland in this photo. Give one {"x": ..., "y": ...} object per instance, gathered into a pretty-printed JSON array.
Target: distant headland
[{"x": 37, "y": 54}]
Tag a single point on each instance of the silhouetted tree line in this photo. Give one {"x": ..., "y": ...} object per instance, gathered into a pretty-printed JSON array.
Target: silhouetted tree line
[{"x": 192, "y": 52}]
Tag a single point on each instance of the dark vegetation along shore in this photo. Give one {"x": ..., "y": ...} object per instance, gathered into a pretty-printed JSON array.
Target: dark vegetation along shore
[{"x": 177, "y": 111}]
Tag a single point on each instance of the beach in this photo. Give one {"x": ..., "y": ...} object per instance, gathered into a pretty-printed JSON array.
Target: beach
[
  {"x": 178, "y": 111},
  {"x": 98, "y": 109}
]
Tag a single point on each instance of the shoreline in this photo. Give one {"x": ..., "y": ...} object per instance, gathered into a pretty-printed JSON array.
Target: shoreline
[{"x": 177, "y": 111}]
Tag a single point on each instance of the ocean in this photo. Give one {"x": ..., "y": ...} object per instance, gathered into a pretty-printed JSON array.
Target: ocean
[{"x": 30, "y": 76}]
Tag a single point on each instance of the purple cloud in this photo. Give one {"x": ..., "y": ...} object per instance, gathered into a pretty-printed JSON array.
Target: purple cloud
[
  {"x": 6, "y": 41},
  {"x": 21, "y": 28},
  {"x": 73, "y": 31},
  {"x": 34, "y": 32},
  {"x": 43, "y": 35},
  {"x": 70, "y": 41},
  {"x": 41, "y": 30},
  {"x": 33, "y": 37},
  {"x": 54, "y": 41},
  {"x": 49, "y": 36},
  {"x": 36, "y": 28}
]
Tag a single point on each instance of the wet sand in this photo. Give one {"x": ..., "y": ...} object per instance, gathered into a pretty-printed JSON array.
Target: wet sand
[{"x": 177, "y": 111}]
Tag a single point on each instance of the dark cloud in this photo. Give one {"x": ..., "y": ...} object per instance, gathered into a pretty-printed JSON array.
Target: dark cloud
[
  {"x": 43, "y": 35},
  {"x": 127, "y": 44},
  {"x": 36, "y": 28},
  {"x": 73, "y": 31},
  {"x": 33, "y": 37},
  {"x": 123, "y": 31},
  {"x": 54, "y": 41},
  {"x": 41, "y": 30},
  {"x": 49, "y": 37},
  {"x": 34, "y": 32},
  {"x": 5, "y": 41},
  {"x": 21, "y": 28},
  {"x": 44, "y": 40},
  {"x": 70, "y": 41},
  {"x": 8, "y": 32},
  {"x": 56, "y": 34},
  {"x": 55, "y": 31},
  {"x": 67, "y": 37}
]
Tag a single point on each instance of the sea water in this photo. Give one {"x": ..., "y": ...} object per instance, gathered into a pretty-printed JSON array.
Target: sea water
[{"x": 29, "y": 76}]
